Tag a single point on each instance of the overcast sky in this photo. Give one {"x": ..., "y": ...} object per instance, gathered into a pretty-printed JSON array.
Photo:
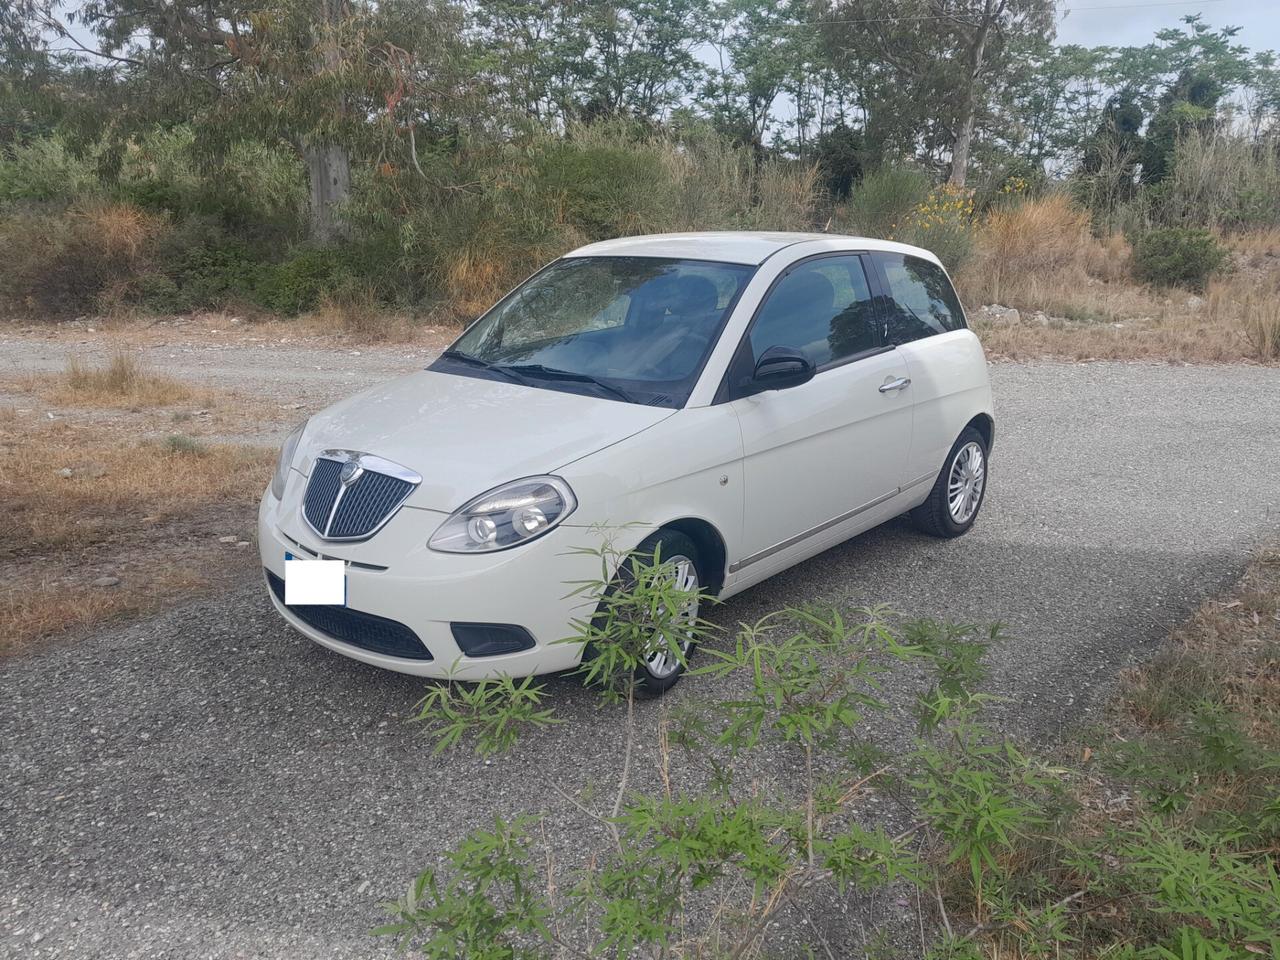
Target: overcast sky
[{"x": 1134, "y": 22}]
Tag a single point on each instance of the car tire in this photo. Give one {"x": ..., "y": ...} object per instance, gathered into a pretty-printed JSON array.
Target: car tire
[
  {"x": 958, "y": 493},
  {"x": 662, "y": 673}
]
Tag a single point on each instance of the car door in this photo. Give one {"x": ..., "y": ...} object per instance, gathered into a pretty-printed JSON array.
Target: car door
[
  {"x": 821, "y": 455},
  {"x": 923, "y": 318}
]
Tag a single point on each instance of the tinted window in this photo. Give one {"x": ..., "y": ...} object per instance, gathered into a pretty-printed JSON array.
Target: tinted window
[
  {"x": 922, "y": 302},
  {"x": 642, "y": 325},
  {"x": 822, "y": 307}
]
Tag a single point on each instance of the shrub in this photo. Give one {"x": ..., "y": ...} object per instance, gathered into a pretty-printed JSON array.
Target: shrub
[
  {"x": 45, "y": 169},
  {"x": 75, "y": 259},
  {"x": 297, "y": 284},
  {"x": 1178, "y": 257},
  {"x": 883, "y": 202}
]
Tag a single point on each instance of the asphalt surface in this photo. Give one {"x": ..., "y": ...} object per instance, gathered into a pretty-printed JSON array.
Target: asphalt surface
[{"x": 208, "y": 784}]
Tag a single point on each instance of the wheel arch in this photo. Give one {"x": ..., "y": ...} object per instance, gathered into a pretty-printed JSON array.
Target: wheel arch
[
  {"x": 711, "y": 548},
  {"x": 985, "y": 424}
]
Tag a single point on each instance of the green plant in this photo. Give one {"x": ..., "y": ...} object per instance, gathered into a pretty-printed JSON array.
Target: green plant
[
  {"x": 494, "y": 712},
  {"x": 884, "y": 201},
  {"x": 808, "y": 680},
  {"x": 297, "y": 284},
  {"x": 1178, "y": 257},
  {"x": 184, "y": 446}
]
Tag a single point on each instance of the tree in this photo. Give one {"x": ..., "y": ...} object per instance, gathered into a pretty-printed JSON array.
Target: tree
[
  {"x": 319, "y": 75},
  {"x": 929, "y": 72}
]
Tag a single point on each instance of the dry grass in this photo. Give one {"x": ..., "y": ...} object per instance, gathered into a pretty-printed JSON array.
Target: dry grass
[
  {"x": 1230, "y": 648},
  {"x": 1039, "y": 256},
  {"x": 123, "y": 382},
  {"x": 77, "y": 502},
  {"x": 359, "y": 315}
]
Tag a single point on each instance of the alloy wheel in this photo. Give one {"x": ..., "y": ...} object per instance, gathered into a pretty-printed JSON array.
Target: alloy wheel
[
  {"x": 965, "y": 482},
  {"x": 662, "y": 663}
]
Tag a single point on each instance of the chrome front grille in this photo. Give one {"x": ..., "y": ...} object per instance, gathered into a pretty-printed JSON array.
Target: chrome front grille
[{"x": 351, "y": 495}]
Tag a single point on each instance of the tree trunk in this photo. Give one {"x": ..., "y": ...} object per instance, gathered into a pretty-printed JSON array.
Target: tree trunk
[
  {"x": 328, "y": 163},
  {"x": 969, "y": 106},
  {"x": 329, "y": 172}
]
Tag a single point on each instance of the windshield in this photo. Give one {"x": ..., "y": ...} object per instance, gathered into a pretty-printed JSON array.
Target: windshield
[{"x": 634, "y": 328}]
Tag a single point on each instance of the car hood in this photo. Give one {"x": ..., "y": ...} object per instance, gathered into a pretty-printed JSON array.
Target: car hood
[{"x": 466, "y": 435}]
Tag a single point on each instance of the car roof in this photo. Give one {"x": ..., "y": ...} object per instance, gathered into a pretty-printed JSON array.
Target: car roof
[{"x": 733, "y": 246}]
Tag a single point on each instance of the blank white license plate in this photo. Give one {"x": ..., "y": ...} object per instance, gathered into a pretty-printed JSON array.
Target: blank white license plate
[{"x": 314, "y": 582}]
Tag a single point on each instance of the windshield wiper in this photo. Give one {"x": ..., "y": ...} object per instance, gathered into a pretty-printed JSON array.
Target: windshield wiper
[
  {"x": 507, "y": 372},
  {"x": 551, "y": 373}
]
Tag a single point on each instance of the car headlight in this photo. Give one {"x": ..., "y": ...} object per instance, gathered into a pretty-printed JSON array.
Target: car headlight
[
  {"x": 506, "y": 516},
  {"x": 286, "y": 460}
]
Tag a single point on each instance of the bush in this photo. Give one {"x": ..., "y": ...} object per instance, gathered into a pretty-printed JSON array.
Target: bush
[
  {"x": 45, "y": 169},
  {"x": 80, "y": 258},
  {"x": 298, "y": 284},
  {"x": 1178, "y": 257},
  {"x": 884, "y": 201}
]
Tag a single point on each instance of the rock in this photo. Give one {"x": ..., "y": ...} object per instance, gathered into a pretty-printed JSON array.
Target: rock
[
  {"x": 91, "y": 471},
  {"x": 106, "y": 581},
  {"x": 231, "y": 539},
  {"x": 66, "y": 473},
  {"x": 1194, "y": 302},
  {"x": 1001, "y": 316},
  {"x": 241, "y": 544},
  {"x": 1039, "y": 318}
]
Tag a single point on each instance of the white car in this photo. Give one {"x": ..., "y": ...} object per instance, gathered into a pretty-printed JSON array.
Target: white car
[{"x": 743, "y": 400}]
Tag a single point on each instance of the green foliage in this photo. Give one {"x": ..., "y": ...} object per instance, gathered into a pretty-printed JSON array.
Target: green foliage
[
  {"x": 45, "y": 169},
  {"x": 494, "y": 712},
  {"x": 885, "y": 200},
  {"x": 297, "y": 284},
  {"x": 487, "y": 908},
  {"x": 1178, "y": 257},
  {"x": 639, "y": 609},
  {"x": 810, "y": 681},
  {"x": 184, "y": 446}
]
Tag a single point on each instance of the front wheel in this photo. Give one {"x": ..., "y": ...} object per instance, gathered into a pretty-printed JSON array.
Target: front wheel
[
  {"x": 958, "y": 492},
  {"x": 660, "y": 669}
]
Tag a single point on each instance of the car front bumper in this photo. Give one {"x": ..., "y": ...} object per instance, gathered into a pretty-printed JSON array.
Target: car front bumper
[{"x": 395, "y": 577}]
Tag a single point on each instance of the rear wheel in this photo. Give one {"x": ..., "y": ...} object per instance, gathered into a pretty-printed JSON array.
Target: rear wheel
[{"x": 958, "y": 492}]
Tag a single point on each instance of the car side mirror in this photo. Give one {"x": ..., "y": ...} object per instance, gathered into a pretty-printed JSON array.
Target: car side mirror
[{"x": 781, "y": 367}]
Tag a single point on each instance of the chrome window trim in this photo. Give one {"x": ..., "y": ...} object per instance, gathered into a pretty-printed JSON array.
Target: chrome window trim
[{"x": 369, "y": 462}]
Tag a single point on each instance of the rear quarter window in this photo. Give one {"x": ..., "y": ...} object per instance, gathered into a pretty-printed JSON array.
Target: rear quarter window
[{"x": 921, "y": 301}]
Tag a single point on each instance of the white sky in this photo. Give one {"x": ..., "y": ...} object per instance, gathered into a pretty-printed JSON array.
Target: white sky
[{"x": 1120, "y": 23}]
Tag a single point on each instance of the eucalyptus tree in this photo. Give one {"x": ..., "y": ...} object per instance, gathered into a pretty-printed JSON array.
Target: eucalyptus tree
[
  {"x": 330, "y": 78},
  {"x": 933, "y": 70}
]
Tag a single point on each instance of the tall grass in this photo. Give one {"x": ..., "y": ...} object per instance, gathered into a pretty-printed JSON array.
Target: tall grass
[
  {"x": 1039, "y": 254},
  {"x": 1222, "y": 181}
]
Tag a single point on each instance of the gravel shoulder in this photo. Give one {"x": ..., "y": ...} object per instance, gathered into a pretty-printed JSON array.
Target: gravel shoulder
[{"x": 206, "y": 783}]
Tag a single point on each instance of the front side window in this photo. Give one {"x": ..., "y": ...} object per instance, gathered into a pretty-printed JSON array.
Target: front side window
[
  {"x": 921, "y": 302},
  {"x": 823, "y": 307},
  {"x": 638, "y": 328}
]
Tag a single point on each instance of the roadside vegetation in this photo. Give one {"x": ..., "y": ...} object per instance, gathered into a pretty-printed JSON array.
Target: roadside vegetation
[
  {"x": 1104, "y": 202},
  {"x": 113, "y": 502},
  {"x": 1152, "y": 837}
]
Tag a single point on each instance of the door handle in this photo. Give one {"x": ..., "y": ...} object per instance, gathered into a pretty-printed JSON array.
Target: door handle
[{"x": 899, "y": 384}]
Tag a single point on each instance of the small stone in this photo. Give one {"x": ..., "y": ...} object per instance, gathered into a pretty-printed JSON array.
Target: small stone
[
  {"x": 240, "y": 545},
  {"x": 106, "y": 581},
  {"x": 229, "y": 539},
  {"x": 1194, "y": 302},
  {"x": 66, "y": 473}
]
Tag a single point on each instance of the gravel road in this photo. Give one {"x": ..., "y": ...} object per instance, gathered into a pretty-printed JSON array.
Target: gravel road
[{"x": 208, "y": 784}]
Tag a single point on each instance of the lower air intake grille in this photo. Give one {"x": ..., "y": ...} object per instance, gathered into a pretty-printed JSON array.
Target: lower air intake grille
[{"x": 364, "y": 630}]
